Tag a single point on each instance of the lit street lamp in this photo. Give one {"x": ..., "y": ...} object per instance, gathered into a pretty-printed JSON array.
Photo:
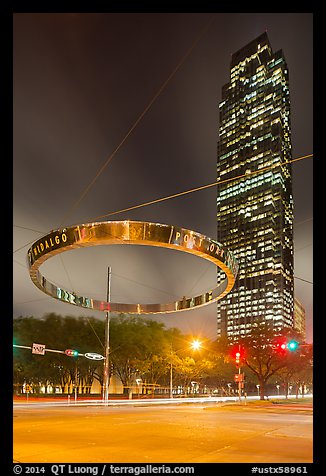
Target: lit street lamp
[{"x": 196, "y": 345}]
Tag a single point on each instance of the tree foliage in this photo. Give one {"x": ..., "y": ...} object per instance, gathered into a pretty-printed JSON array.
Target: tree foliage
[
  {"x": 145, "y": 349},
  {"x": 261, "y": 354}
]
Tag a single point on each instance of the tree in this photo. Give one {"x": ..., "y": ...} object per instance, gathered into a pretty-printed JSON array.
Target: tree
[
  {"x": 136, "y": 349},
  {"x": 221, "y": 372},
  {"x": 35, "y": 370},
  {"x": 261, "y": 354},
  {"x": 59, "y": 333},
  {"x": 298, "y": 370}
]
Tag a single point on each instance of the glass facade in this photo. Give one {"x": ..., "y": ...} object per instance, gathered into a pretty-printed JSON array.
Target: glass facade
[
  {"x": 299, "y": 318},
  {"x": 254, "y": 197}
]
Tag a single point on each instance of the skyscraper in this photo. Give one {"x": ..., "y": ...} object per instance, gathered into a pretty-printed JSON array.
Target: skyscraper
[
  {"x": 254, "y": 197},
  {"x": 299, "y": 318}
]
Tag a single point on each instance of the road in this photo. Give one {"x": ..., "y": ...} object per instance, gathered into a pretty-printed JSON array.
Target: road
[{"x": 187, "y": 433}]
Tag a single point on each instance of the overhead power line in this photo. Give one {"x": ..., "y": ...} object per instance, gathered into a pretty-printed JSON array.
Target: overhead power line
[
  {"x": 186, "y": 192},
  {"x": 203, "y": 187},
  {"x": 304, "y": 280}
]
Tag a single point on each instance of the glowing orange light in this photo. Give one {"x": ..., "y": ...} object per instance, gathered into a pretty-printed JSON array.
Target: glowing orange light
[{"x": 196, "y": 344}]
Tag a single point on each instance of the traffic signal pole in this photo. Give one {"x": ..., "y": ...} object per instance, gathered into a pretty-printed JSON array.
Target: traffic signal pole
[
  {"x": 106, "y": 377},
  {"x": 239, "y": 383}
]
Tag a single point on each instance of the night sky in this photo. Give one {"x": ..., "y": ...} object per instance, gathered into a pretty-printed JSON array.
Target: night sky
[{"x": 81, "y": 81}]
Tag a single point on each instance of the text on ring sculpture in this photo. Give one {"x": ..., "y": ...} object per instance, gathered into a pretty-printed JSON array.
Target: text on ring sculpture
[{"x": 133, "y": 233}]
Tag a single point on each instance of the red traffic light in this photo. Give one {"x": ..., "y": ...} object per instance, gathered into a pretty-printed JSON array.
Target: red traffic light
[
  {"x": 72, "y": 352},
  {"x": 280, "y": 345},
  {"x": 237, "y": 353}
]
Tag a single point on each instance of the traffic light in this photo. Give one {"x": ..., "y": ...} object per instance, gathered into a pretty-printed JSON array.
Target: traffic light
[
  {"x": 72, "y": 352},
  {"x": 282, "y": 345},
  {"x": 292, "y": 345},
  {"x": 237, "y": 353}
]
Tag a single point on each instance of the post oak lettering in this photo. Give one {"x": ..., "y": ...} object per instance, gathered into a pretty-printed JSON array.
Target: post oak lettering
[{"x": 193, "y": 240}]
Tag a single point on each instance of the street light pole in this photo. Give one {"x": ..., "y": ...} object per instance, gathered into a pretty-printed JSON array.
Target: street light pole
[
  {"x": 106, "y": 377},
  {"x": 76, "y": 382},
  {"x": 195, "y": 346},
  {"x": 171, "y": 387}
]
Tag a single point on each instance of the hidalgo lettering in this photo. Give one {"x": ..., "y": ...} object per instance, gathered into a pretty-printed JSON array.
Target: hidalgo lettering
[{"x": 51, "y": 242}]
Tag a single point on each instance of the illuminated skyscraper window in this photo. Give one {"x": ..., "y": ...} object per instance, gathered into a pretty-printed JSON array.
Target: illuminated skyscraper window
[{"x": 254, "y": 199}]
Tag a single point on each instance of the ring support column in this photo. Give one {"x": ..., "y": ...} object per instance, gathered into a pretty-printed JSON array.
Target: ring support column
[{"x": 106, "y": 375}]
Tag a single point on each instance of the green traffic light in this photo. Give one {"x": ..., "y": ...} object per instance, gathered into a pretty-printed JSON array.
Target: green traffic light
[{"x": 292, "y": 345}]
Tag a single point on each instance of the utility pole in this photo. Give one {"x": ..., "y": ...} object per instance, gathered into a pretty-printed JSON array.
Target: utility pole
[{"x": 106, "y": 377}]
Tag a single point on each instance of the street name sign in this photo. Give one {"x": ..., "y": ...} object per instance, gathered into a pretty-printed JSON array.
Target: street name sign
[{"x": 38, "y": 349}]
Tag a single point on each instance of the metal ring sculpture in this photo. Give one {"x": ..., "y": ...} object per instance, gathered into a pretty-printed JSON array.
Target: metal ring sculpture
[{"x": 131, "y": 233}]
